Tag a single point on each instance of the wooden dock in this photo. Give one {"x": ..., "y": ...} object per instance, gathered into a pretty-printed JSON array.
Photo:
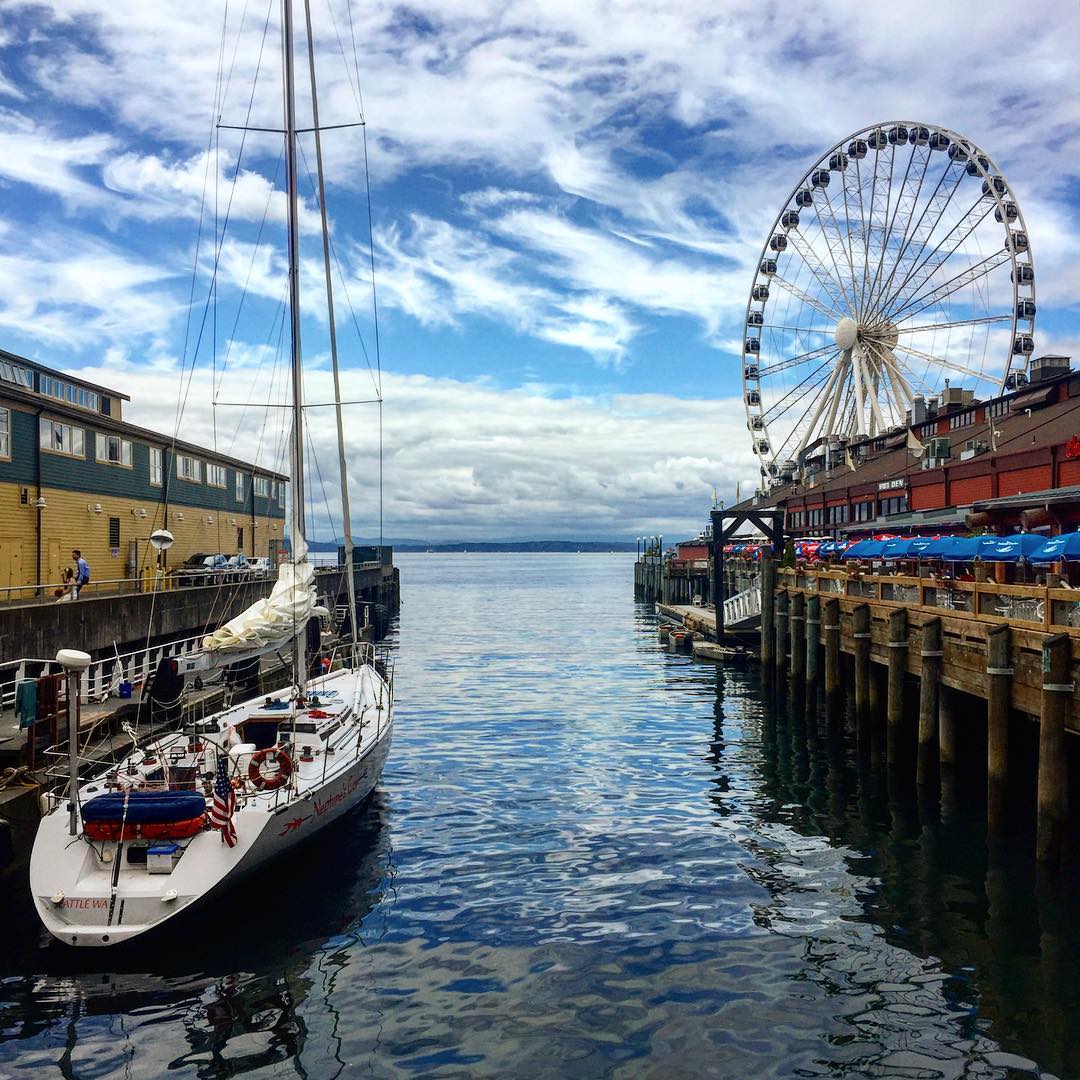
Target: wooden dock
[{"x": 949, "y": 652}]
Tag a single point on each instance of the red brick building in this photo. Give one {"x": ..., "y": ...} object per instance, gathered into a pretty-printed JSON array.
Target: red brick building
[{"x": 1005, "y": 463}]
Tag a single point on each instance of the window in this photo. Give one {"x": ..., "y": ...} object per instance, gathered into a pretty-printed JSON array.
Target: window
[
  {"x": 864, "y": 511},
  {"x": 961, "y": 419},
  {"x": 61, "y": 438},
  {"x": 239, "y": 486},
  {"x": 239, "y": 539},
  {"x": 69, "y": 392},
  {"x": 216, "y": 475},
  {"x": 281, "y": 494},
  {"x": 262, "y": 487},
  {"x": 895, "y": 505},
  {"x": 156, "y": 471},
  {"x": 188, "y": 468},
  {"x": 5, "y": 434},
  {"x": 838, "y": 515},
  {"x": 112, "y": 449},
  {"x": 997, "y": 408},
  {"x": 114, "y": 533},
  {"x": 13, "y": 373}
]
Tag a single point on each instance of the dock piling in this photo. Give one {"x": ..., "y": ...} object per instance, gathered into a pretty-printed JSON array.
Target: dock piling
[
  {"x": 768, "y": 610},
  {"x": 831, "y": 628},
  {"x": 861, "y": 634},
  {"x": 797, "y": 627},
  {"x": 898, "y": 645},
  {"x": 813, "y": 640},
  {"x": 928, "y": 699},
  {"x": 781, "y": 630},
  {"x": 998, "y": 677},
  {"x": 1057, "y": 692}
]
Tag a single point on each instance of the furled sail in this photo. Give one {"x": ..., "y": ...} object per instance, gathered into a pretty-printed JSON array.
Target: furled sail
[{"x": 276, "y": 619}]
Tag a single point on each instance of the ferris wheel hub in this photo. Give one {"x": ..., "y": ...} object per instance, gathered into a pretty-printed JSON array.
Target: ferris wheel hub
[{"x": 847, "y": 333}]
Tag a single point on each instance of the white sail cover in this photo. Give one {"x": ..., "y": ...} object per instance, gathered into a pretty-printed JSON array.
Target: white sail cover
[{"x": 275, "y": 620}]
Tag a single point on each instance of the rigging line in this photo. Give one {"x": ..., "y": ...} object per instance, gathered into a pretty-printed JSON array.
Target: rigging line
[
  {"x": 955, "y": 322},
  {"x": 371, "y": 249},
  {"x": 217, "y": 254},
  {"x": 355, "y": 90},
  {"x": 356, "y": 58},
  {"x": 251, "y": 268},
  {"x": 380, "y": 477},
  {"x": 232, "y": 63},
  {"x": 341, "y": 277},
  {"x": 278, "y": 315}
]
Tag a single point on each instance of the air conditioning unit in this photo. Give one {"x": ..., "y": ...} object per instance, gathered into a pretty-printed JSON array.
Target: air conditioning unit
[{"x": 973, "y": 449}]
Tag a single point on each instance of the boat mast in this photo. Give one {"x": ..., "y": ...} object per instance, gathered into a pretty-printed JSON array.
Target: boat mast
[
  {"x": 297, "y": 535},
  {"x": 346, "y": 510}
]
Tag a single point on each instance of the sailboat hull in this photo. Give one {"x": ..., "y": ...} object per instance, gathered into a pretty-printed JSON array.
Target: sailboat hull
[{"x": 84, "y": 899}]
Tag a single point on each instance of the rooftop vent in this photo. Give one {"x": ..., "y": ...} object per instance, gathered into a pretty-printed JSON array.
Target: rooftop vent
[{"x": 1049, "y": 367}]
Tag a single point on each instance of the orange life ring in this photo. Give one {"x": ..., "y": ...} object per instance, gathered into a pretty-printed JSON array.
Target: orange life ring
[{"x": 284, "y": 768}]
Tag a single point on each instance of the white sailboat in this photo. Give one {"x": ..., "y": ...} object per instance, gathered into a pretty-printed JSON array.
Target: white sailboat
[{"x": 129, "y": 846}]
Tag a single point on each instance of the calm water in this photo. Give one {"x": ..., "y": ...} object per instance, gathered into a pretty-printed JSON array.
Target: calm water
[{"x": 587, "y": 857}]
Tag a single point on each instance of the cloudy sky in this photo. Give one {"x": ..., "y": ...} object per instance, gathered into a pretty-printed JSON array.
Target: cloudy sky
[{"x": 567, "y": 202}]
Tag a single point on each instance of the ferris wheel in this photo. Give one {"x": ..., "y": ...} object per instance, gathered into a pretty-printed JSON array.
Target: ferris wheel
[{"x": 899, "y": 262}]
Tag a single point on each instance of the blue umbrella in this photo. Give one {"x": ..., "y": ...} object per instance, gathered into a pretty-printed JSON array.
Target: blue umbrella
[
  {"x": 864, "y": 549},
  {"x": 932, "y": 547},
  {"x": 1066, "y": 546},
  {"x": 968, "y": 548},
  {"x": 899, "y": 547},
  {"x": 1012, "y": 548}
]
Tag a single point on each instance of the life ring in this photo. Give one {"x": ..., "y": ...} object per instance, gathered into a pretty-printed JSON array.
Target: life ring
[{"x": 284, "y": 768}]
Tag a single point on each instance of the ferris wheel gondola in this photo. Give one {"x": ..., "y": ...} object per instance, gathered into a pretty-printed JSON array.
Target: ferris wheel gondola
[{"x": 900, "y": 260}]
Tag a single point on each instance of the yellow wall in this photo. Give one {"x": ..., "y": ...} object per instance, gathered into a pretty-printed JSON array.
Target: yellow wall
[{"x": 66, "y": 523}]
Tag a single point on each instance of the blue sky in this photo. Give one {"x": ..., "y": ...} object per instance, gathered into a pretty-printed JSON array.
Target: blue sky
[{"x": 568, "y": 205}]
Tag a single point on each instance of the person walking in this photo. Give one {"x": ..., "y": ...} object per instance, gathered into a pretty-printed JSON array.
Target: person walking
[{"x": 82, "y": 572}]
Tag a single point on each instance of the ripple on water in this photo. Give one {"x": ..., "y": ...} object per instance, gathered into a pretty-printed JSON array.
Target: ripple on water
[{"x": 585, "y": 859}]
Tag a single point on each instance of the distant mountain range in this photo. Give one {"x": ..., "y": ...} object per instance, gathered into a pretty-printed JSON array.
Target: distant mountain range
[{"x": 403, "y": 544}]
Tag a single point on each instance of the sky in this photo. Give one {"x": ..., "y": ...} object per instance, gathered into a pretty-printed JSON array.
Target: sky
[{"x": 564, "y": 204}]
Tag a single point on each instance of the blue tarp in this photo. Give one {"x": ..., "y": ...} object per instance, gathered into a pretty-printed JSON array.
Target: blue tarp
[
  {"x": 1065, "y": 547},
  {"x": 145, "y": 807}
]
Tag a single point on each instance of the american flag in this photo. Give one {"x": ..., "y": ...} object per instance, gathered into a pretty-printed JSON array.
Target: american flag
[{"x": 221, "y": 809}]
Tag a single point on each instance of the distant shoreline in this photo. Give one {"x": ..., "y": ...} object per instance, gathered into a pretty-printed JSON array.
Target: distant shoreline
[{"x": 516, "y": 549}]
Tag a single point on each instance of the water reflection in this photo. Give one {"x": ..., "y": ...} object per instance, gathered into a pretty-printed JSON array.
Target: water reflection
[
  {"x": 947, "y": 942},
  {"x": 236, "y": 975}
]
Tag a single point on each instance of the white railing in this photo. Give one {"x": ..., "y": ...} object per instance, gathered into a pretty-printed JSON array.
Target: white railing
[{"x": 742, "y": 606}]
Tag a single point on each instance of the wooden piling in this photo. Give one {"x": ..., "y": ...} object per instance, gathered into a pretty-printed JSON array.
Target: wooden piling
[
  {"x": 861, "y": 633},
  {"x": 768, "y": 610},
  {"x": 797, "y": 628},
  {"x": 831, "y": 629},
  {"x": 946, "y": 728},
  {"x": 999, "y": 692},
  {"x": 1053, "y": 779},
  {"x": 894, "y": 714},
  {"x": 781, "y": 630},
  {"x": 928, "y": 699},
  {"x": 813, "y": 637}
]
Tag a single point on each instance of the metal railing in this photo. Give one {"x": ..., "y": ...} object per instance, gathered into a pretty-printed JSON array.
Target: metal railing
[
  {"x": 52, "y": 592},
  {"x": 742, "y": 606}
]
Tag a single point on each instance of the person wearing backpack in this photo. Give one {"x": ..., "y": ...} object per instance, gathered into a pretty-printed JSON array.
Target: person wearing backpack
[{"x": 82, "y": 572}]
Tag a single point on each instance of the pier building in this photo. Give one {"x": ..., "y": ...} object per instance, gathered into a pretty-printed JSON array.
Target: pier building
[
  {"x": 1005, "y": 463},
  {"x": 75, "y": 474}
]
